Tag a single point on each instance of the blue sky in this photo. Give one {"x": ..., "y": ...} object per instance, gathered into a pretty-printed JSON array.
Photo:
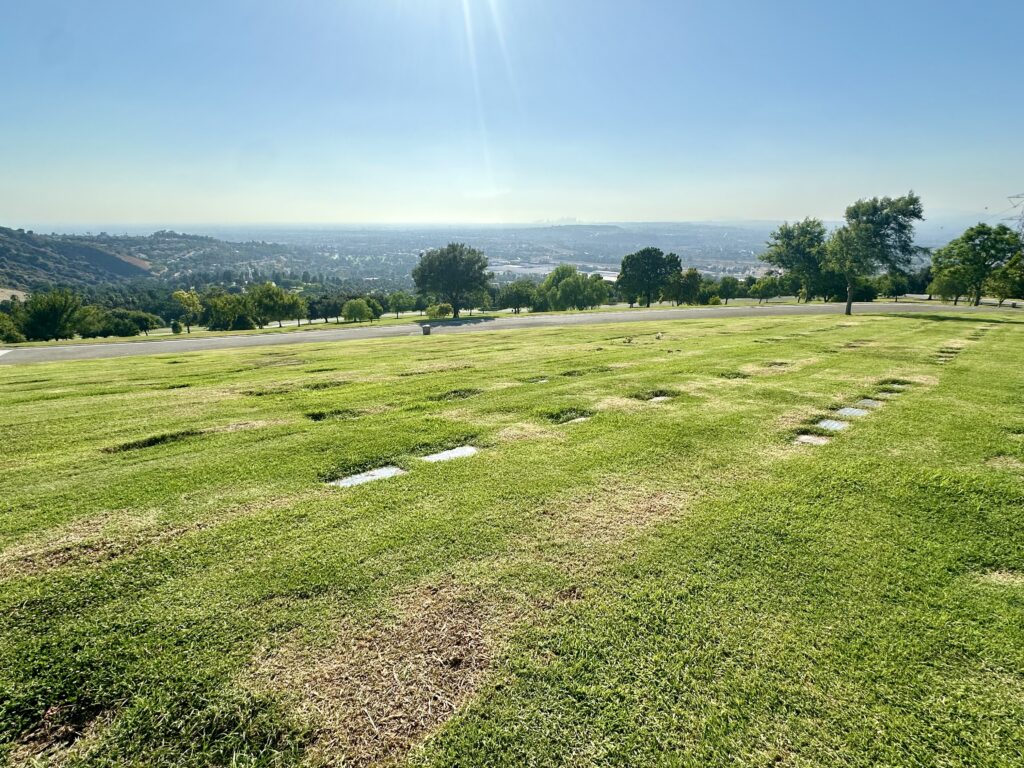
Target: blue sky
[{"x": 348, "y": 111}]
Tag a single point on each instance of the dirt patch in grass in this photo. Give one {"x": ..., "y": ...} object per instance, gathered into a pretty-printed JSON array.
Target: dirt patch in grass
[
  {"x": 567, "y": 414},
  {"x": 442, "y": 368},
  {"x": 455, "y": 394},
  {"x": 282, "y": 390},
  {"x": 584, "y": 371},
  {"x": 1011, "y": 463},
  {"x": 1002, "y": 578},
  {"x": 772, "y": 367},
  {"x": 337, "y": 413},
  {"x": 153, "y": 440},
  {"x": 53, "y": 740},
  {"x": 318, "y": 385},
  {"x": 377, "y": 691},
  {"x": 654, "y": 394},
  {"x": 734, "y": 375},
  {"x": 176, "y": 386}
]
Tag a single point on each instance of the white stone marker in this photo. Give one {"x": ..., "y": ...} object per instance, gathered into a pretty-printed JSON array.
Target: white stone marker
[
  {"x": 369, "y": 476},
  {"x": 453, "y": 453},
  {"x": 833, "y": 425}
]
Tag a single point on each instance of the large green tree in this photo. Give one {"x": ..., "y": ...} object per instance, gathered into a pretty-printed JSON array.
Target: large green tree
[
  {"x": 295, "y": 307},
  {"x": 228, "y": 312},
  {"x": 647, "y": 272},
  {"x": 325, "y": 306},
  {"x": 892, "y": 285},
  {"x": 51, "y": 315},
  {"x": 950, "y": 283},
  {"x": 728, "y": 288},
  {"x": 683, "y": 287},
  {"x": 356, "y": 311},
  {"x": 190, "y": 307},
  {"x": 977, "y": 254},
  {"x": 799, "y": 249},
  {"x": 455, "y": 273},
  {"x": 568, "y": 288},
  {"x": 879, "y": 233},
  {"x": 269, "y": 303},
  {"x": 1007, "y": 282},
  {"x": 766, "y": 288},
  {"x": 516, "y": 295},
  {"x": 400, "y": 301}
]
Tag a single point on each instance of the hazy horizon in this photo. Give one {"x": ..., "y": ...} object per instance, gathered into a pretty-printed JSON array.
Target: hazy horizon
[{"x": 489, "y": 112}]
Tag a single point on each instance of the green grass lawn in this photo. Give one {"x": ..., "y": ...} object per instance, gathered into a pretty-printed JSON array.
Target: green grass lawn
[
  {"x": 667, "y": 581},
  {"x": 406, "y": 318}
]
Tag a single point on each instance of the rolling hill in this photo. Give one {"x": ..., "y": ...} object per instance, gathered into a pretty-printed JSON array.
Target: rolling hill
[{"x": 30, "y": 261}]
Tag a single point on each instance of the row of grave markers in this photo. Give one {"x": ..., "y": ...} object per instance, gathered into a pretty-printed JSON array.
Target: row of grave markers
[{"x": 862, "y": 407}]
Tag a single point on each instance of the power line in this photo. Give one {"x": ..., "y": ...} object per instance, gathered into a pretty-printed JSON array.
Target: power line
[{"x": 1017, "y": 203}]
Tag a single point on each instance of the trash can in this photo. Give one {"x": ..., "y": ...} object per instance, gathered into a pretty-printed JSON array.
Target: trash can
[{"x": 426, "y": 329}]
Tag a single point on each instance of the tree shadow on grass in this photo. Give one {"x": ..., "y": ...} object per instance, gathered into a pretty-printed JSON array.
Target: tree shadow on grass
[
  {"x": 957, "y": 318},
  {"x": 460, "y": 321}
]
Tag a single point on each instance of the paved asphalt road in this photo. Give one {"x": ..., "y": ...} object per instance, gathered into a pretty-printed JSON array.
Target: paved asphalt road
[{"x": 347, "y": 333}]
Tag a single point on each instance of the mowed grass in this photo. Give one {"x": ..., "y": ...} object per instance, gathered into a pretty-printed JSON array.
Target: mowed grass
[{"x": 638, "y": 567}]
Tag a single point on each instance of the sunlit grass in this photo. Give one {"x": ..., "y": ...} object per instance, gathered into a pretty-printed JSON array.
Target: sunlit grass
[{"x": 666, "y": 579}]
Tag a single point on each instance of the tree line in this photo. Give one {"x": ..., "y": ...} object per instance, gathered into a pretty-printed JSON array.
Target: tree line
[{"x": 871, "y": 254}]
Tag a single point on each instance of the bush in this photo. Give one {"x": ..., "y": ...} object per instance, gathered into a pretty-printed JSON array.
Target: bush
[
  {"x": 376, "y": 310},
  {"x": 9, "y": 333},
  {"x": 51, "y": 315},
  {"x": 175, "y": 327},
  {"x": 714, "y": 301},
  {"x": 356, "y": 310},
  {"x": 439, "y": 311}
]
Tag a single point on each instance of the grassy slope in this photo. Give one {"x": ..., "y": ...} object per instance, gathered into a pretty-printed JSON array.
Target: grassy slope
[
  {"x": 406, "y": 318},
  {"x": 666, "y": 582}
]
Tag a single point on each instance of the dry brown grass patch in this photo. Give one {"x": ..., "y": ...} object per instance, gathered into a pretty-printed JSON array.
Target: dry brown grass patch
[
  {"x": 114, "y": 534},
  {"x": 56, "y": 738},
  {"x": 1003, "y": 461},
  {"x": 527, "y": 431},
  {"x": 89, "y": 540},
  {"x": 242, "y": 426},
  {"x": 377, "y": 691},
  {"x": 1002, "y": 578},
  {"x": 799, "y": 417},
  {"x": 616, "y": 510},
  {"x": 621, "y": 404}
]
